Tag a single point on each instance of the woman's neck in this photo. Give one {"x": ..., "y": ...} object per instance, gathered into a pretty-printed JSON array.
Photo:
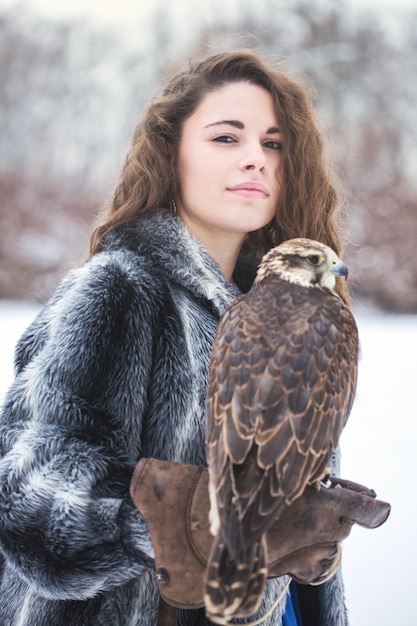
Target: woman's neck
[
  {"x": 224, "y": 256},
  {"x": 223, "y": 247}
]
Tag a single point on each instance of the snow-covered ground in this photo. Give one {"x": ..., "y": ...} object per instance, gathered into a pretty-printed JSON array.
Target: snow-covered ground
[{"x": 379, "y": 448}]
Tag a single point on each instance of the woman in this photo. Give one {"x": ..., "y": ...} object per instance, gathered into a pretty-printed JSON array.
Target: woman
[{"x": 226, "y": 163}]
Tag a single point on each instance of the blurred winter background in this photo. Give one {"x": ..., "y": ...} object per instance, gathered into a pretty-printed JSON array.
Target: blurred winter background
[{"x": 74, "y": 78}]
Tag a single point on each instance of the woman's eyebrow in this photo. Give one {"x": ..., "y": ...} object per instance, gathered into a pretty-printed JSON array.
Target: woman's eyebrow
[
  {"x": 234, "y": 123},
  {"x": 273, "y": 130}
]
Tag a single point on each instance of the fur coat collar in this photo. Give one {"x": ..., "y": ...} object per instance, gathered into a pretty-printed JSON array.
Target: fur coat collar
[{"x": 163, "y": 239}]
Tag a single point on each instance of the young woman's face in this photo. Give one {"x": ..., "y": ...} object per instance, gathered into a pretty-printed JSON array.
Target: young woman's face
[{"x": 229, "y": 162}]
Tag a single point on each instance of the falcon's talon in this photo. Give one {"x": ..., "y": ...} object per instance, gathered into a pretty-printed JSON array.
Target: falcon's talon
[{"x": 326, "y": 482}]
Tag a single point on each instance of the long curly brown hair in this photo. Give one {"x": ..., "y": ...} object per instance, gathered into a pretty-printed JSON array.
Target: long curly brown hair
[{"x": 308, "y": 203}]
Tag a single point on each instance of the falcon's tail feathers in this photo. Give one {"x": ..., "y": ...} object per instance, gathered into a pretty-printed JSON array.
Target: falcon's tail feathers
[{"x": 234, "y": 587}]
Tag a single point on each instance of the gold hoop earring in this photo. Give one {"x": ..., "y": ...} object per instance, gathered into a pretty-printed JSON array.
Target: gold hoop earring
[{"x": 173, "y": 206}]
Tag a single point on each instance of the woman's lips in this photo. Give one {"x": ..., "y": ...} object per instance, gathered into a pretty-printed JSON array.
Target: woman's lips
[{"x": 249, "y": 190}]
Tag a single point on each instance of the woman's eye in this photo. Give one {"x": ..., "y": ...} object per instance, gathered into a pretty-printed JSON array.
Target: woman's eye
[
  {"x": 224, "y": 139},
  {"x": 274, "y": 145}
]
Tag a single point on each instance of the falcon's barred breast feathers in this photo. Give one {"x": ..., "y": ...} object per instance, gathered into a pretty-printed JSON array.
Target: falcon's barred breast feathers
[{"x": 281, "y": 386}]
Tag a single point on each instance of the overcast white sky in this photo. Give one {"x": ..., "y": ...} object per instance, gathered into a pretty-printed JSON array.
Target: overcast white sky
[{"x": 122, "y": 9}]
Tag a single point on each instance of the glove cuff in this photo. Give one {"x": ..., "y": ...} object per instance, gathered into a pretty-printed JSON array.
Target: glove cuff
[{"x": 302, "y": 542}]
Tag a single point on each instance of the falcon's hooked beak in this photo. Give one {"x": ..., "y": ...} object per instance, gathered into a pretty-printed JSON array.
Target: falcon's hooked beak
[{"x": 339, "y": 269}]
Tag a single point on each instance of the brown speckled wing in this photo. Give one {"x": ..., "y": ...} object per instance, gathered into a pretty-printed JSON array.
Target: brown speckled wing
[{"x": 282, "y": 382}]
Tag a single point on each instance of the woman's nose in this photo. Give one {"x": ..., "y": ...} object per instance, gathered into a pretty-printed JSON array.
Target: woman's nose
[
  {"x": 254, "y": 159},
  {"x": 254, "y": 166}
]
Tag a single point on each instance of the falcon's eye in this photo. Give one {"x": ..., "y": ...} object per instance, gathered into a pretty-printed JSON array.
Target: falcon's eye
[{"x": 314, "y": 259}]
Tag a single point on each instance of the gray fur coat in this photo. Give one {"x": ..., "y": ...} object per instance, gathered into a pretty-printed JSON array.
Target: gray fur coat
[{"x": 113, "y": 368}]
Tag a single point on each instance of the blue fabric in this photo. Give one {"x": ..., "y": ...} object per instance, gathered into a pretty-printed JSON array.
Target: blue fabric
[
  {"x": 289, "y": 618},
  {"x": 296, "y": 602}
]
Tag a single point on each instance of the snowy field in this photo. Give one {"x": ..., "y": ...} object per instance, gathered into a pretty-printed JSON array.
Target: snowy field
[{"x": 379, "y": 449}]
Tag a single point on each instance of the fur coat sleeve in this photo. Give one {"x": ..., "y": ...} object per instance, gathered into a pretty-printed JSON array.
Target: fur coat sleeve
[{"x": 67, "y": 523}]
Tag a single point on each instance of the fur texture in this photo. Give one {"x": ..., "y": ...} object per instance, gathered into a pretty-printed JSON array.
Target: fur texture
[{"x": 114, "y": 367}]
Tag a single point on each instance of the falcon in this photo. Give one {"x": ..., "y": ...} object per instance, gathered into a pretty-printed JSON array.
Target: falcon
[{"x": 282, "y": 381}]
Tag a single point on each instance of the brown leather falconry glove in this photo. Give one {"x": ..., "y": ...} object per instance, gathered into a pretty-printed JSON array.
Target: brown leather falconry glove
[{"x": 303, "y": 542}]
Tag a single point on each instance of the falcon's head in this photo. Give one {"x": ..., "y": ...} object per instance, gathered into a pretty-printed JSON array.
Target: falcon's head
[{"x": 303, "y": 261}]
